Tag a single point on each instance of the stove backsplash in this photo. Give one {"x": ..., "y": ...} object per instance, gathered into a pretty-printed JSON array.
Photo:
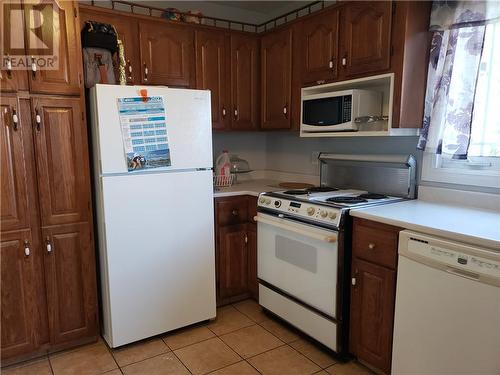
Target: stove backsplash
[{"x": 393, "y": 175}]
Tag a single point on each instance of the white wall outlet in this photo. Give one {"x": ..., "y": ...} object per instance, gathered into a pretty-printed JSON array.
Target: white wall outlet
[{"x": 314, "y": 158}]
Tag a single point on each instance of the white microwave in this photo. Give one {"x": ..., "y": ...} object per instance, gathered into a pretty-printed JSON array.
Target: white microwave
[{"x": 338, "y": 110}]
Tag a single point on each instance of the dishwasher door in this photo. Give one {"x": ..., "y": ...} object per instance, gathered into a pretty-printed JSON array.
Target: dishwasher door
[{"x": 447, "y": 318}]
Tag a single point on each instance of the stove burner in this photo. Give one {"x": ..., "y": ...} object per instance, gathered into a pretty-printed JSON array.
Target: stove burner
[
  {"x": 321, "y": 189},
  {"x": 349, "y": 200},
  {"x": 295, "y": 192},
  {"x": 372, "y": 196}
]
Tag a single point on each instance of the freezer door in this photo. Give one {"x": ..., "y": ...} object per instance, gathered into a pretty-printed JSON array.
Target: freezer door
[
  {"x": 188, "y": 118},
  {"x": 158, "y": 262}
]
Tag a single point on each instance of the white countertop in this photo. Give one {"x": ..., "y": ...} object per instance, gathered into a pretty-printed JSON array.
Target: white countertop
[
  {"x": 252, "y": 187},
  {"x": 474, "y": 226}
]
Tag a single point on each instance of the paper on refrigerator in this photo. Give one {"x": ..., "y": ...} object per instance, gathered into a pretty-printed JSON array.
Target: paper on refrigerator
[{"x": 143, "y": 123}]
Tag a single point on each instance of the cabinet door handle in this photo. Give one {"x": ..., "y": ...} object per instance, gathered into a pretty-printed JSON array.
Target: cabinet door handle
[
  {"x": 235, "y": 212},
  {"x": 129, "y": 69},
  {"x": 371, "y": 246},
  {"x": 353, "y": 281},
  {"x": 8, "y": 66},
  {"x": 27, "y": 250},
  {"x": 330, "y": 64},
  {"x": 38, "y": 119},
  {"x": 223, "y": 112},
  {"x": 246, "y": 238},
  {"x": 15, "y": 119},
  {"x": 235, "y": 113},
  {"x": 146, "y": 72},
  {"x": 33, "y": 66},
  {"x": 285, "y": 111},
  {"x": 344, "y": 61},
  {"x": 48, "y": 245}
]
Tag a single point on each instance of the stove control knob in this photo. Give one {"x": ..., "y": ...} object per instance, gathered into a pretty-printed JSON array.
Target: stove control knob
[
  {"x": 310, "y": 211},
  {"x": 332, "y": 215},
  {"x": 277, "y": 204},
  {"x": 268, "y": 201},
  {"x": 323, "y": 214},
  {"x": 262, "y": 200}
]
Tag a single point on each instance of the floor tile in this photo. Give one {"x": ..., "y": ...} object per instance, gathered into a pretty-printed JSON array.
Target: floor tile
[
  {"x": 38, "y": 366},
  {"x": 280, "y": 330},
  {"x": 240, "y": 368},
  {"x": 251, "y": 341},
  {"x": 165, "y": 364},
  {"x": 251, "y": 309},
  {"x": 283, "y": 360},
  {"x": 351, "y": 368},
  {"x": 314, "y": 352},
  {"x": 116, "y": 371},
  {"x": 187, "y": 337},
  {"x": 229, "y": 319},
  {"x": 139, "y": 351},
  {"x": 206, "y": 356},
  {"x": 91, "y": 359}
]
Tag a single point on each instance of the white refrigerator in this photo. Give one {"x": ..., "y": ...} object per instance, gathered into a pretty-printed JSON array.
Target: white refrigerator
[{"x": 155, "y": 227}]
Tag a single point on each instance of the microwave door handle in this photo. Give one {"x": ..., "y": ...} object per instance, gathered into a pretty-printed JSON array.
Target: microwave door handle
[{"x": 278, "y": 224}]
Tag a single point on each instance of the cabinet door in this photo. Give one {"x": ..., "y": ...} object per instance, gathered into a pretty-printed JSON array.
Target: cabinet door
[
  {"x": 366, "y": 35},
  {"x": 167, "y": 54},
  {"x": 372, "y": 313},
  {"x": 212, "y": 73},
  {"x": 233, "y": 256},
  {"x": 253, "y": 283},
  {"x": 127, "y": 28},
  {"x": 12, "y": 37},
  {"x": 320, "y": 37},
  {"x": 15, "y": 139},
  {"x": 71, "y": 282},
  {"x": 245, "y": 82},
  {"x": 60, "y": 32},
  {"x": 276, "y": 79},
  {"x": 62, "y": 160},
  {"x": 18, "y": 294}
]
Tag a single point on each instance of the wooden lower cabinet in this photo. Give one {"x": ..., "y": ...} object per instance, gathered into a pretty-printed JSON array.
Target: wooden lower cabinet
[{"x": 236, "y": 249}]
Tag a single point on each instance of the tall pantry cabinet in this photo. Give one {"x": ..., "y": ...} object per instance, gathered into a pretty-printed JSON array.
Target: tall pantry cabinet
[{"x": 48, "y": 281}]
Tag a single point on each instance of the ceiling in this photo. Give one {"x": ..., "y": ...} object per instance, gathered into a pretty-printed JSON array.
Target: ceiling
[{"x": 272, "y": 8}]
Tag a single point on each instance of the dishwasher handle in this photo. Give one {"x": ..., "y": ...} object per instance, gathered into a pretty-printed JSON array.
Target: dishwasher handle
[{"x": 279, "y": 224}]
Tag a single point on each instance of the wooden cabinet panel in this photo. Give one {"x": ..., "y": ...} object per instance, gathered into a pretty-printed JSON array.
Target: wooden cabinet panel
[
  {"x": 16, "y": 159},
  {"x": 253, "y": 283},
  {"x": 18, "y": 294},
  {"x": 372, "y": 314},
  {"x": 245, "y": 76},
  {"x": 12, "y": 80},
  {"x": 62, "y": 160},
  {"x": 71, "y": 283},
  {"x": 127, "y": 29},
  {"x": 276, "y": 65},
  {"x": 212, "y": 73},
  {"x": 231, "y": 210},
  {"x": 366, "y": 36},
  {"x": 232, "y": 259},
  {"x": 320, "y": 37},
  {"x": 167, "y": 54},
  {"x": 63, "y": 17}
]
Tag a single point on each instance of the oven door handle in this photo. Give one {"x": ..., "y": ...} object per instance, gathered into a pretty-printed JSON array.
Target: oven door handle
[{"x": 279, "y": 224}]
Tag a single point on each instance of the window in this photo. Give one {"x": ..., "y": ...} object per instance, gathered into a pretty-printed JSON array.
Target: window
[{"x": 481, "y": 166}]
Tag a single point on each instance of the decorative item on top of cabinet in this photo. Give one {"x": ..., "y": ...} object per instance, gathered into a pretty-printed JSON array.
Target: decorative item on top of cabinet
[
  {"x": 373, "y": 291},
  {"x": 319, "y": 58},
  {"x": 276, "y": 76},
  {"x": 127, "y": 28},
  {"x": 67, "y": 78},
  {"x": 236, "y": 249},
  {"x": 212, "y": 73},
  {"x": 365, "y": 34},
  {"x": 167, "y": 54}
]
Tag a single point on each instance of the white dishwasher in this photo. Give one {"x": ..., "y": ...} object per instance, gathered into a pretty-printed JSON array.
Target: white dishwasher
[{"x": 447, "y": 318}]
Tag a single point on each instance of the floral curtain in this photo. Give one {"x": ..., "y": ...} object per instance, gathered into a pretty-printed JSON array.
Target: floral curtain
[{"x": 455, "y": 58}]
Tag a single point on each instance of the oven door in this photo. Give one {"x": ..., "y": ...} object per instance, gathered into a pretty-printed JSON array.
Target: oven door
[{"x": 298, "y": 259}]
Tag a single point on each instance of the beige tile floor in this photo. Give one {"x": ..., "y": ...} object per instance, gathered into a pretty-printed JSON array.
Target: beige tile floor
[{"x": 243, "y": 340}]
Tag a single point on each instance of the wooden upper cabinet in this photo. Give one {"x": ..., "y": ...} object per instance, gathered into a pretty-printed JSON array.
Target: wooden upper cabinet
[
  {"x": 127, "y": 28},
  {"x": 12, "y": 39},
  {"x": 276, "y": 65},
  {"x": 18, "y": 294},
  {"x": 167, "y": 54},
  {"x": 71, "y": 283},
  {"x": 320, "y": 38},
  {"x": 212, "y": 73},
  {"x": 245, "y": 82},
  {"x": 372, "y": 314},
  {"x": 366, "y": 37},
  {"x": 61, "y": 16},
  {"x": 62, "y": 160},
  {"x": 15, "y": 139}
]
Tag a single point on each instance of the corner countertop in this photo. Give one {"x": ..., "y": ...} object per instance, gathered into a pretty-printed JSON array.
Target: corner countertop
[
  {"x": 251, "y": 187},
  {"x": 473, "y": 226}
]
